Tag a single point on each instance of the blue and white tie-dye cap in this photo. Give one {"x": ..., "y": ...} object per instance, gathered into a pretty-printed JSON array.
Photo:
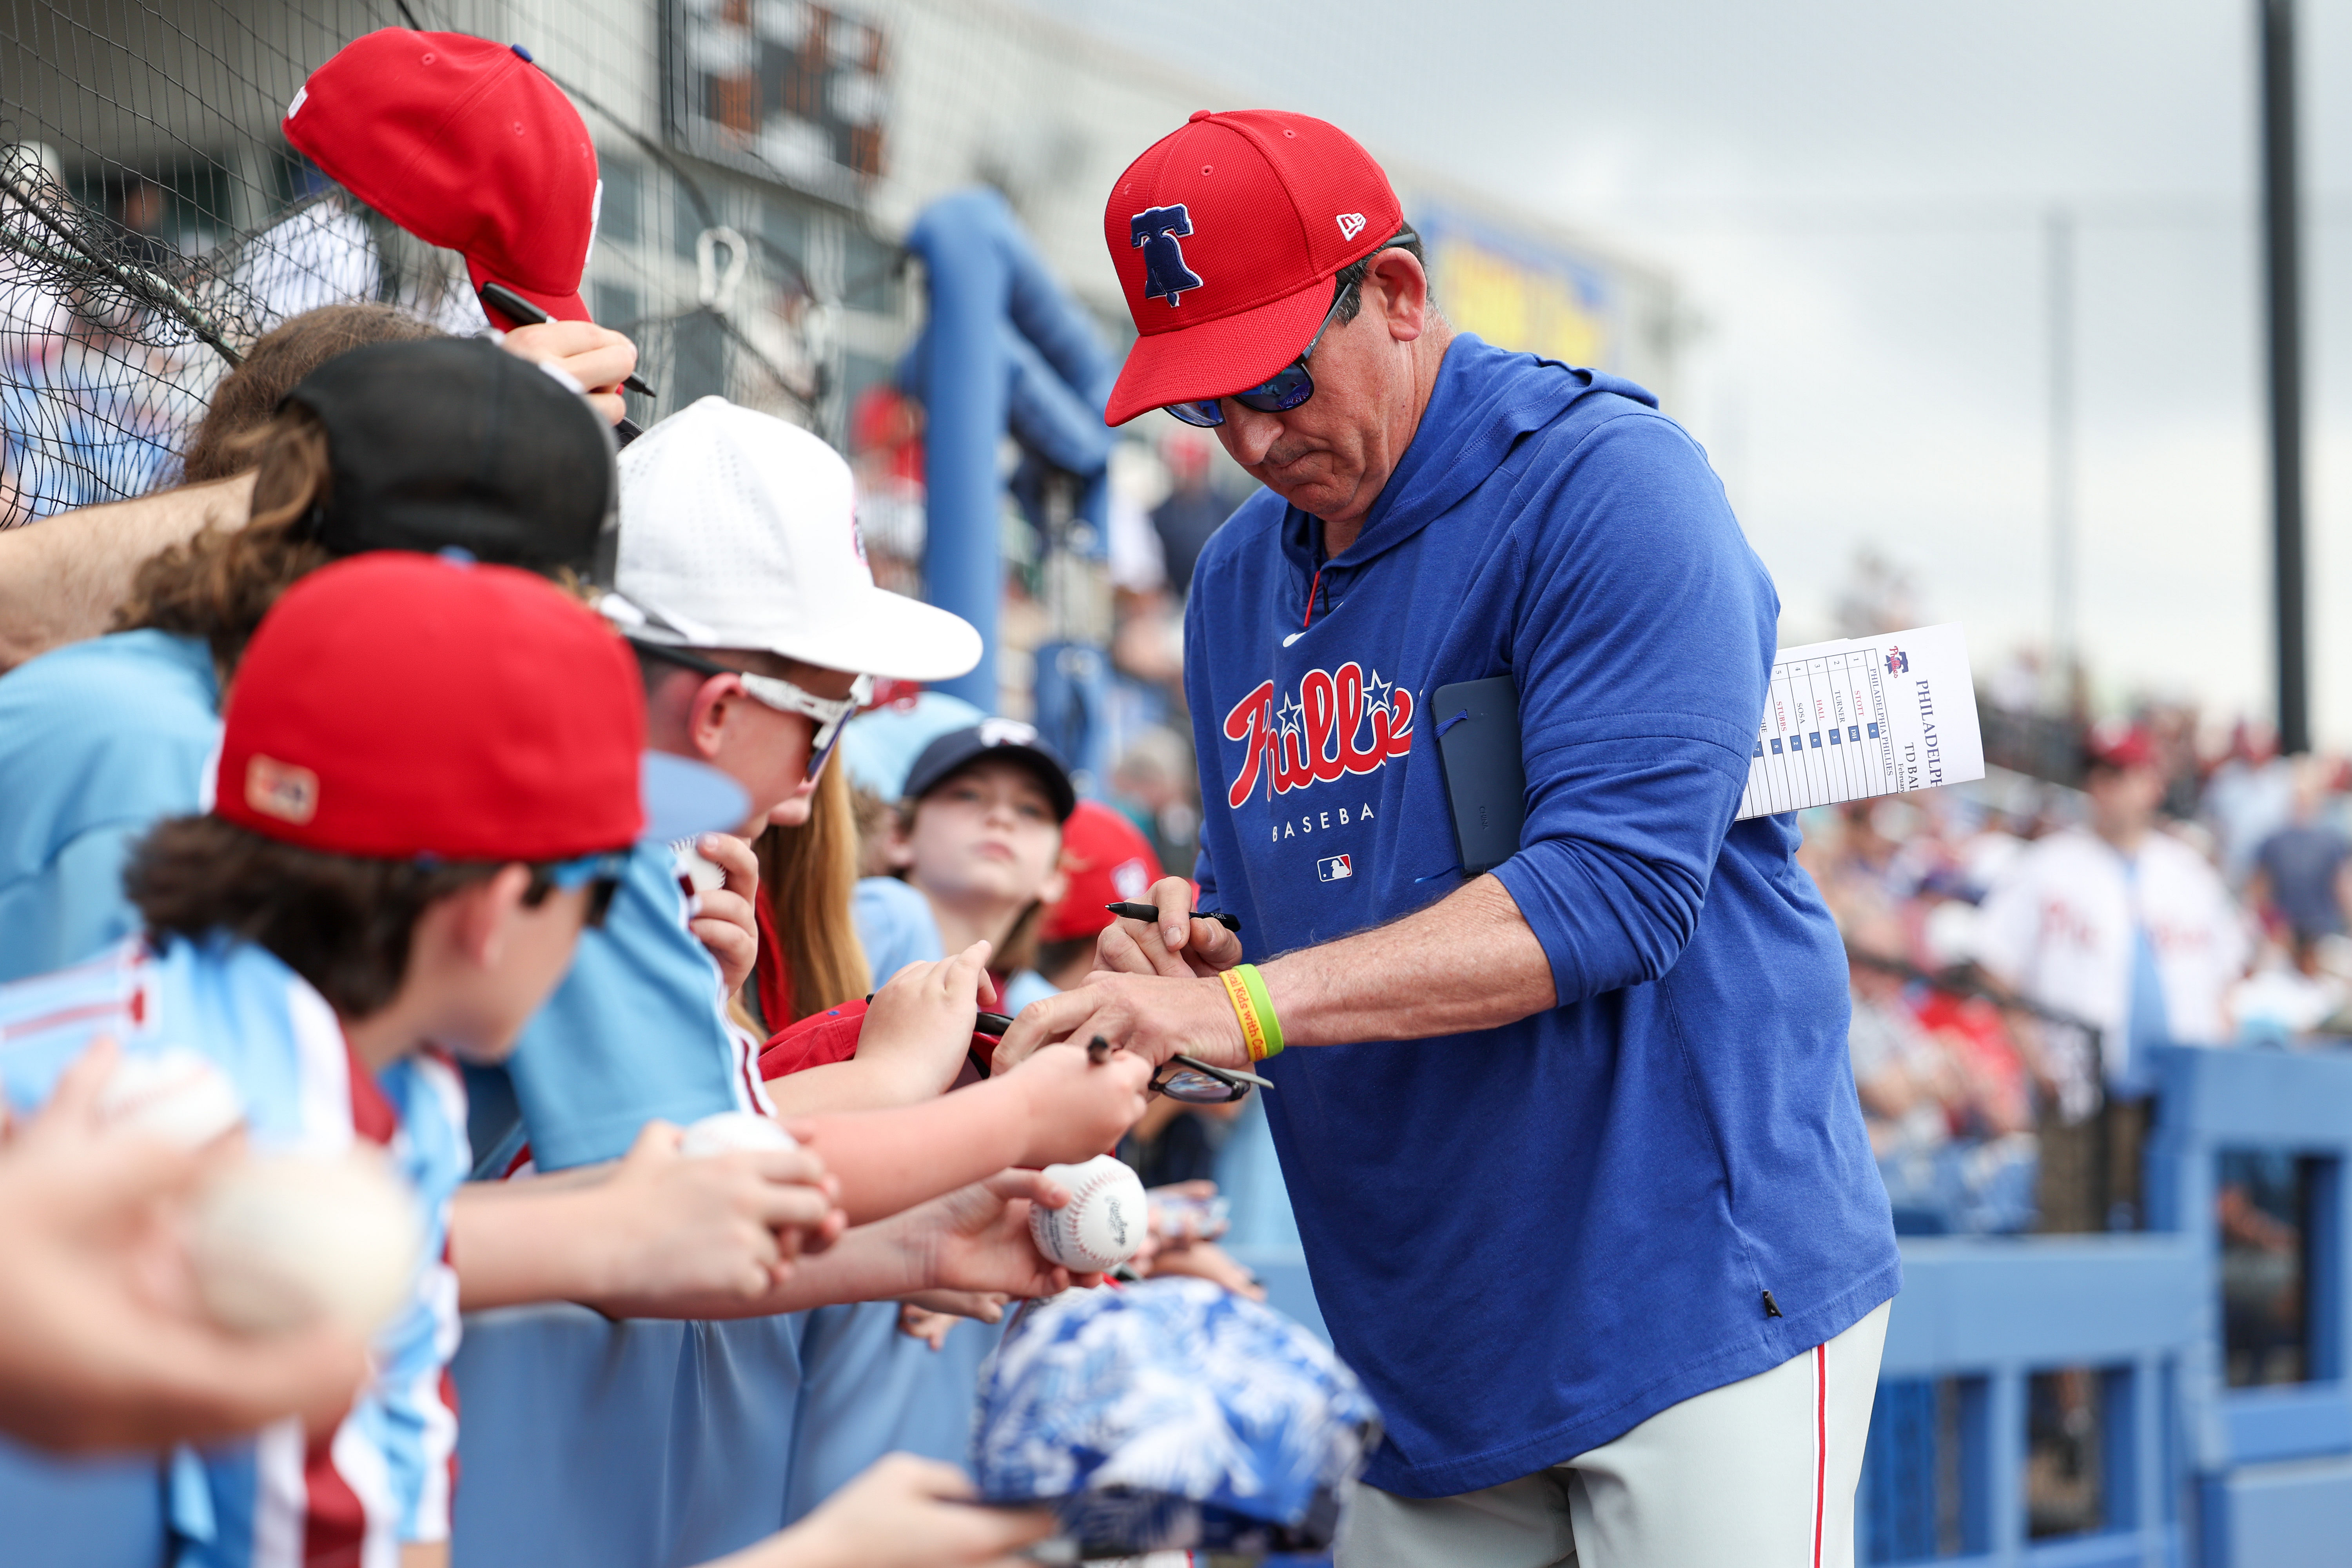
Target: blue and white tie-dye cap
[{"x": 1171, "y": 1414}]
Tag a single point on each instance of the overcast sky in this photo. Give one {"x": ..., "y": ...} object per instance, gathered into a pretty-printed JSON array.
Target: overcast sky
[{"x": 1851, "y": 197}]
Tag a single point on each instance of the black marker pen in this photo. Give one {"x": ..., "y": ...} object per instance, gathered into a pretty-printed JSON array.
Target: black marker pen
[{"x": 1151, "y": 912}]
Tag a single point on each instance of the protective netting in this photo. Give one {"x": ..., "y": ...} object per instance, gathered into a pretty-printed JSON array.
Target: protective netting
[{"x": 154, "y": 224}]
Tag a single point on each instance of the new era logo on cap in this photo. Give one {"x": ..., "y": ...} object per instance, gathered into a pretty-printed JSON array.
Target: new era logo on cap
[{"x": 1350, "y": 225}]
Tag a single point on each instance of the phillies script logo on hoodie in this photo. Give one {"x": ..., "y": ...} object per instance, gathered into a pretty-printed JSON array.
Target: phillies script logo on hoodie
[{"x": 1337, "y": 725}]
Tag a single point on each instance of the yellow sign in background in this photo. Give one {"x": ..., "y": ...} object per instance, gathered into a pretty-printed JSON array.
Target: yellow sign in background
[{"x": 1514, "y": 305}]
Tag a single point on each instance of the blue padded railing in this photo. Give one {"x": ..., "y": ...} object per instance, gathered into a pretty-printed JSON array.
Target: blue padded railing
[
  {"x": 2194, "y": 1472},
  {"x": 651, "y": 1445},
  {"x": 1988, "y": 1313}
]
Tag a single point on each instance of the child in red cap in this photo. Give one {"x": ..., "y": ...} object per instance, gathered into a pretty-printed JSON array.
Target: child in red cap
[{"x": 401, "y": 855}]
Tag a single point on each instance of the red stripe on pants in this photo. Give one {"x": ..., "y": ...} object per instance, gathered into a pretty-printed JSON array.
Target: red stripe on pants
[{"x": 1821, "y": 1443}]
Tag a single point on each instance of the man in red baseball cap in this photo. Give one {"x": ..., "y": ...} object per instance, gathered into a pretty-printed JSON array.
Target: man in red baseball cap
[
  {"x": 2073, "y": 923},
  {"x": 1601, "y": 1087}
]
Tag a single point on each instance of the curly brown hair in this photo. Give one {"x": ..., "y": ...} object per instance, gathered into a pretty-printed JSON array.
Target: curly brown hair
[
  {"x": 249, "y": 396},
  {"x": 218, "y": 584},
  {"x": 341, "y": 922}
]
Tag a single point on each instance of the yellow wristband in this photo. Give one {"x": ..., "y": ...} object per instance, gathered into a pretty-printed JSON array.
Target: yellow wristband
[{"x": 1251, "y": 1004}]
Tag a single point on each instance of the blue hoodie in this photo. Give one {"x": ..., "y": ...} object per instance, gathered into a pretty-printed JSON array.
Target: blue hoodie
[{"x": 1528, "y": 1240}]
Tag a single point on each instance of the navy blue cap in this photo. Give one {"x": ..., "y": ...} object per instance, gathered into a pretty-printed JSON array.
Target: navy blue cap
[{"x": 1008, "y": 739}]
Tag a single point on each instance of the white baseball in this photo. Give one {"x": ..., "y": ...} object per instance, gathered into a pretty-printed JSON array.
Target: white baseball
[
  {"x": 724, "y": 1131},
  {"x": 282, "y": 1241},
  {"x": 703, "y": 874},
  {"x": 176, "y": 1095},
  {"x": 1102, "y": 1224}
]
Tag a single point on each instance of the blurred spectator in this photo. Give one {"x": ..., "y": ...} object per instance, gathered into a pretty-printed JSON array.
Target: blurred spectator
[
  {"x": 1156, "y": 785},
  {"x": 886, "y": 446},
  {"x": 1192, "y": 511},
  {"x": 1943, "y": 1095},
  {"x": 2248, "y": 797},
  {"x": 2298, "y": 885},
  {"x": 146, "y": 212},
  {"x": 2123, "y": 926},
  {"x": 1148, "y": 641}
]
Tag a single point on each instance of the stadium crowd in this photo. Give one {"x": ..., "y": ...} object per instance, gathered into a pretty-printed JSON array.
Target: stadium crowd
[{"x": 2018, "y": 943}]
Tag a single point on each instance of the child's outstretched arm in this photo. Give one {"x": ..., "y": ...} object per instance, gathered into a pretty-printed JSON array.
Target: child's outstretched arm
[
  {"x": 903, "y": 1512},
  {"x": 911, "y": 1046},
  {"x": 662, "y": 1231},
  {"x": 1057, "y": 1105},
  {"x": 974, "y": 1239}
]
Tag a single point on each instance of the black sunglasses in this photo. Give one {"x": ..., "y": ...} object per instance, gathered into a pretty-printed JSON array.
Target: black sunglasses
[
  {"x": 601, "y": 889},
  {"x": 1283, "y": 391},
  {"x": 1195, "y": 1082},
  {"x": 1288, "y": 387},
  {"x": 1179, "y": 1078}
]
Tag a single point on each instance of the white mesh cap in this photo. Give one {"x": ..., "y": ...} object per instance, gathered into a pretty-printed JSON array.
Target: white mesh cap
[{"x": 744, "y": 527}]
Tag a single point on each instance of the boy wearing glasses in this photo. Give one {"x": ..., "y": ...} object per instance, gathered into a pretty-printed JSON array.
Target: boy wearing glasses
[{"x": 1641, "y": 1317}]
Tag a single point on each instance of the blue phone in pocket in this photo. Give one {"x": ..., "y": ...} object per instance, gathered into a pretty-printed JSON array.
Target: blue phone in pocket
[{"x": 1486, "y": 780}]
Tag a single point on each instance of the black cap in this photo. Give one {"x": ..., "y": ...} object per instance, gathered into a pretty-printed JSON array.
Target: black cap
[
  {"x": 1007, "y": 738},
  {"x": 456, "y": 443}
]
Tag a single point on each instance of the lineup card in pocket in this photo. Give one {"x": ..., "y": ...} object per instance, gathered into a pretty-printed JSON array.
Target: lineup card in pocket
[{"x": 1862, "y": 717}]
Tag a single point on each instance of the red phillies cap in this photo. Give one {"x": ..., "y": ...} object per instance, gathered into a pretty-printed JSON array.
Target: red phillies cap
[
  {"x": 396, "y": 705},
  {"x": 1107, "y": 860},
  {"x": 1226, "y": 234},
  {"x": 465, "y": 144}
]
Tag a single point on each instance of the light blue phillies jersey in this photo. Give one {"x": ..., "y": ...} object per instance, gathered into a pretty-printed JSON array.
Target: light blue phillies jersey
[
  {"x": 638, "y": 1029},
  {"x": 99, "y": 740},
  {"x": 385, "y": 1475}
]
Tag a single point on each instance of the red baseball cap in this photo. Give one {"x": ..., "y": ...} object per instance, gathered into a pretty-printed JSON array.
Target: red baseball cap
[
  {"x": 465, "y": 144},
  {"x": 1226, "y": 234},
  {"x": 1107, "y": 859},
  {"x": 2116, "y": 744},
  {"x": 396, "y": 705}
]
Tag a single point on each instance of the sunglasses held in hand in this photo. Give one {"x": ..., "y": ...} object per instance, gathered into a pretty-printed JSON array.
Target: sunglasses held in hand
[{"x": 1179, "y": 1078}]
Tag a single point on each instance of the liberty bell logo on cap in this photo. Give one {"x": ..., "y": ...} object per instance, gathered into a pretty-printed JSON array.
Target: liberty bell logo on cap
[{"x": 1157, "y": 230}]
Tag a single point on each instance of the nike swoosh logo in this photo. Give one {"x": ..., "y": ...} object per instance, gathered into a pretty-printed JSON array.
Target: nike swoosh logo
[{"x": 1292, "y": 638}]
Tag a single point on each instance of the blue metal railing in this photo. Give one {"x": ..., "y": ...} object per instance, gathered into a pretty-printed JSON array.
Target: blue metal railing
[{"x": 2192, "y": 1471}]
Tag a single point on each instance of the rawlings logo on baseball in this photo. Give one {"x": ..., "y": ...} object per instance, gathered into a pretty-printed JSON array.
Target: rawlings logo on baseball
[{"x": 1102, "y": 1224}]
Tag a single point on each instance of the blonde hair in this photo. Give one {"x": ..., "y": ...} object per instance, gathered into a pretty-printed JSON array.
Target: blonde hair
[{"x": 807, "y": 875}]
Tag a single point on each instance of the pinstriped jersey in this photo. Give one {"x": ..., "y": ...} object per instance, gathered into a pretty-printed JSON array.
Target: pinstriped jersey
[{"x": 383, "y": 1475}]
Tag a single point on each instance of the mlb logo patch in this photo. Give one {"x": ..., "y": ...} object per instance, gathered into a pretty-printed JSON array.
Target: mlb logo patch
[{"x": 1334, "y": 869}]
